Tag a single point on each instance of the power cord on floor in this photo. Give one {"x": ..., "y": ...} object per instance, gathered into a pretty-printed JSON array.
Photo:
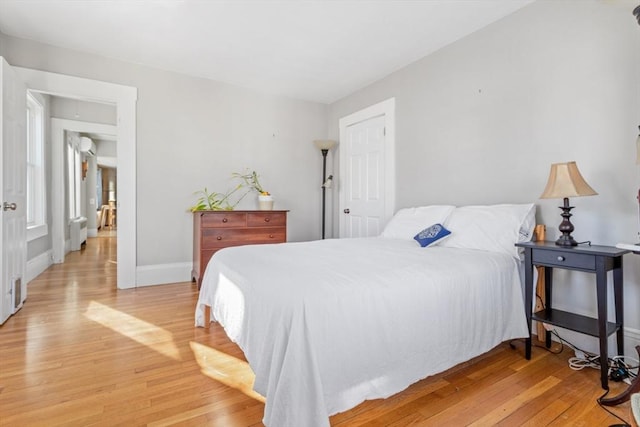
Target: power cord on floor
[
  {"x": 624, "y": 422},
  {"x": 619, "y": 370}
]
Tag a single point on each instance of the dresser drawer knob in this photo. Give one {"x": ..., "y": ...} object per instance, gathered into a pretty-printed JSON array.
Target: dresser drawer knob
[
  {"x": 271, "y": 236},
  {"x": 267, "y": 219},
  {"x": 225, "y": 220},
  {"x": 560, "y": 258},
  {"x": 219, "y": 238}
]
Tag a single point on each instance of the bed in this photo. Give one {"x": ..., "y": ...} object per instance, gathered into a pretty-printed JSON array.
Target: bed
[{"x": 328, "y": 324}]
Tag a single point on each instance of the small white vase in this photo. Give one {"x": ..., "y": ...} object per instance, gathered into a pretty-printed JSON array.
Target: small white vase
[{"x": 265, "y": 203}]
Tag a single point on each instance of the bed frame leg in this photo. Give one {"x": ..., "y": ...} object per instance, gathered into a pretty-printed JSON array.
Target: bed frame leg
[{"x": 207, "y": 317}]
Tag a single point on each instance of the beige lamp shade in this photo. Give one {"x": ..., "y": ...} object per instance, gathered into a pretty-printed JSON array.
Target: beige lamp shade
[
  {"x": 565, "y": 181},
  {"x": 325, "y": 144}
]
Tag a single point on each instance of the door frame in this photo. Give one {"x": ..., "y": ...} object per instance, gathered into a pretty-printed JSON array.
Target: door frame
[
  {"x": 387, "y": 109},
  {"x": 124, "y": 98}
]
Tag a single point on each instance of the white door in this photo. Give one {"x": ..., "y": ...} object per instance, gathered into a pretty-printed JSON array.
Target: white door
[
  {"x": 13, "y": 149},
  {"x": 364, "y": 181},
  {"x": 367, "y": 176}
]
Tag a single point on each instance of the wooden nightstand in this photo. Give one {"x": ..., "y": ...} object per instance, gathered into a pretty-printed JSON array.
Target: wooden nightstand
[{"x": 591, "y": 259}]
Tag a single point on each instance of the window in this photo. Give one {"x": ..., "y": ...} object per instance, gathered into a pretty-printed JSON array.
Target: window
[
  {"x": 74, "y": 171},
  {"x": 36, "y": 189}
]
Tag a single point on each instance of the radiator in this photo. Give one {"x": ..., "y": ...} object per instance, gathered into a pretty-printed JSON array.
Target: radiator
[{"x": 78, "y": 233}]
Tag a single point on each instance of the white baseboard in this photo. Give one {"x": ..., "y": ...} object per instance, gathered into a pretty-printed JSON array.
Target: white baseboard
[
  {"x": 37, "y": 265},
  {"x": 631, "y": 340},
  {"x": 92, "y": 232},
  {"x": 160, "y": 274}
]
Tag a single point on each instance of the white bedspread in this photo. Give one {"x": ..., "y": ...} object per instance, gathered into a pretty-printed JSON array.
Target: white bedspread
[{"x": 327, "y": 324}]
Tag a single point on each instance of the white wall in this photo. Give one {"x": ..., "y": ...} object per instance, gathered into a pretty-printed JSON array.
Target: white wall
[
  {"x": 106, "y": 148},
  {"x": 481, "y": 120},
  {"x": 72, "y": 109},
  {"x": 193, "y": 133}
]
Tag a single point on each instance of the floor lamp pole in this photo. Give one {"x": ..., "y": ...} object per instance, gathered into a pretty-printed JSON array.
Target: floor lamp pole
[{"x": 324, "y": 178}]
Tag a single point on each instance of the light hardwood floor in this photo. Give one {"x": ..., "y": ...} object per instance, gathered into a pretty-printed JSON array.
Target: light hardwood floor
[{"x": 81, "y": 353}]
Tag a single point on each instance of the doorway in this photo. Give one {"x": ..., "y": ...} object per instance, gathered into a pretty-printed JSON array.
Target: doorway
[
  {"x": 60, "y": 130},
  {"x": 124, "y": 98},
  {"x": 367, "y": 170}
]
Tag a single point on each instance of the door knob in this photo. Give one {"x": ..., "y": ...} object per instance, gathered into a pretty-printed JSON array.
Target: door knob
[
  {"x": 9, "y": 206},
  {"x": 346, "y": 211}
]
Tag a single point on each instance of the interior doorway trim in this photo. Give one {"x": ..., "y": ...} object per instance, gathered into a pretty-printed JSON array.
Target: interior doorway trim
[{"x": 124, "y": 98}]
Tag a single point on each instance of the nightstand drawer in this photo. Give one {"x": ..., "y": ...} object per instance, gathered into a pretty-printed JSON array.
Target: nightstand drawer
[{"x": 564, "y": 259}]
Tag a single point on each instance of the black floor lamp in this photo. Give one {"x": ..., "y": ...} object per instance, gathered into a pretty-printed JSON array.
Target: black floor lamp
[{"x": 324, "y": 145}]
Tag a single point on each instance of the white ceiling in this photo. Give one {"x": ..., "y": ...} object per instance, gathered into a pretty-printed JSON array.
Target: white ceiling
[{"x": 317, "y": 50}]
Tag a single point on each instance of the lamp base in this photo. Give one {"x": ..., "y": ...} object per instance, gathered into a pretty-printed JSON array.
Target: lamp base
[
  {"x": 566, "y": 240},
  {"x": 566, "y": 227}
]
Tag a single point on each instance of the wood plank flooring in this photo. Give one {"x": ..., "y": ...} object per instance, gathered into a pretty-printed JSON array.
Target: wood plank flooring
[{"x": 81, "y": 353}]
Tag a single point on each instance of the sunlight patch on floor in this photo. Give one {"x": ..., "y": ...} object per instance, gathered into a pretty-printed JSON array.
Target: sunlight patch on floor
[
  {"x": 226, "y": 369},
  {"x": 138, "y": 330}
]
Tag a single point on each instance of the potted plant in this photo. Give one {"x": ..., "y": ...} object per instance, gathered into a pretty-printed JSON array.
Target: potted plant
[
  {"x": 251, "y": 180},
  {"x": 215, "y": 201}
]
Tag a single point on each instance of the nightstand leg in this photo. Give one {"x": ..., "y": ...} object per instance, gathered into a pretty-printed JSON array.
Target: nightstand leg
[
  {"x": 548, "y": 289},
  {"x": 528, "y": 298},
  {"x": 619, "y": 304},
  {"x": 601, "y": 290}
]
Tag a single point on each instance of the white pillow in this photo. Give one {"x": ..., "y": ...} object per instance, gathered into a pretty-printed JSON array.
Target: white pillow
[
  {"x": 495, "y": 228},
  {"x": 408, "y": 222}
]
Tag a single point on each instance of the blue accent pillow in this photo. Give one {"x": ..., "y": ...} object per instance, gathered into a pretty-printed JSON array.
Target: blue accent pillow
[{"x": 431, "y": 235}]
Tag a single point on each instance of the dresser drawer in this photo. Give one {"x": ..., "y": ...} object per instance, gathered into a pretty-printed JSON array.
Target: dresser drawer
[
  {"x": 224, "y": 219},
  {"x": 263, "y": 219},
  {"x": 221, "y": 237},
  {"x": 564, "y": 259}
]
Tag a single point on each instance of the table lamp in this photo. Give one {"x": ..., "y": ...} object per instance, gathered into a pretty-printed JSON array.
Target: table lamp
[{"x": 565, "y": 181}]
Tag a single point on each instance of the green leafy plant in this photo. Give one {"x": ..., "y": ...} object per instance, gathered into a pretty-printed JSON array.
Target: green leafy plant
[
  {"x": 213, "y": 201},
  {"x": 251, "y": 180}
]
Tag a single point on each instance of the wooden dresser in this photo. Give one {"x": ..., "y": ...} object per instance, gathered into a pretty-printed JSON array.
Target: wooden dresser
[{"x": 214, "y": 230}]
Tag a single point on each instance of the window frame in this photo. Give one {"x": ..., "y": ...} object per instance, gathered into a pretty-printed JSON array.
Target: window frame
[
  {"x": 74, "y": 179},
  {"x": 36, "y": 170}
]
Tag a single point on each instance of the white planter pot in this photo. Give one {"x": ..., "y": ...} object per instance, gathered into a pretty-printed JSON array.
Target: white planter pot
[{"x": 265, "y": 203}]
